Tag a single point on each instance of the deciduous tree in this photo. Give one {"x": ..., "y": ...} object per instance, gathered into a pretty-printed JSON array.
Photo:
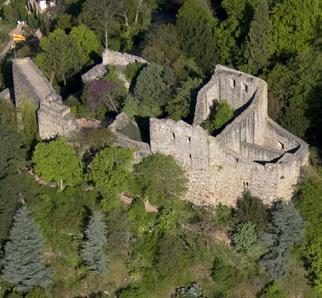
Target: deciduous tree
[{"x": 57, "y": 161}]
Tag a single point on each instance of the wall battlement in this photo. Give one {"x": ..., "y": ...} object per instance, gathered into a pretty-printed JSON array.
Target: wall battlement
[{"x": 252, "y": 152}]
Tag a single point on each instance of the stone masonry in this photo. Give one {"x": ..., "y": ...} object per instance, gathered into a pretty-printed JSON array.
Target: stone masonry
[
  {"x": 54, "y": 118},
  {"x": 252, "y": 152}
]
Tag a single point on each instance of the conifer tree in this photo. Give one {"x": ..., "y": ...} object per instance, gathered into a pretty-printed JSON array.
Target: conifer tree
[
  {"x": 92, "y": 250},
  {"x": 256, "y": 48},
  {"x": 22, "y": 264},
  {"x": 286, "y": 231}
]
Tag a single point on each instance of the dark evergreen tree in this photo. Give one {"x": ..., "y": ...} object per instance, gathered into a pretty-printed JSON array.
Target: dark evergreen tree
[
  {"x": 22, "y": 264},
  {"x": 93, "y": 246},
  {"x": 196, "y": 29},
  {"x": 286, "y": 230},
  {"x": 256, "y": 47}
]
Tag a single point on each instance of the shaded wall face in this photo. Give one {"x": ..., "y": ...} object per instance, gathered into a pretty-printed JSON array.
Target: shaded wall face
[{"x": 236, "y": 89}]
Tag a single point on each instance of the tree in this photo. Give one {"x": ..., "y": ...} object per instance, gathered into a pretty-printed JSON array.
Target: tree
[
  {"x": 60, "y": 56},
  {"x": 93, "y": 246},
  {"x": 153, "y": 88},
  {"x": 160, "y": 179},
  {"x": 110, "y": 169},
  {"x": 220, "y": 115},
  {"x": 87, "y": 41},
  {"x": 179, "y": 106},
  {"x": 136, "y": 16},
  {"x": 286, "y": 230},
  {"x": 196, "y": 29},
  {"x": 22, "y": 264},
  {"x": 245, "y": 238},
  {"x": 293, "y": 25},
  {"x": 100, "y": 16},
  {"x": 162, "y": 46},
  {"x": 103, "y": 95},
  {"x": 57, "y": 161},
  {"x": 256, "y": 47}
]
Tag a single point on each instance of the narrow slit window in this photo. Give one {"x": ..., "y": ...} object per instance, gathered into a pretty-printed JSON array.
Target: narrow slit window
[
  {"x": 190, "y": 156},
  {"x": 244, "y": 88},
  {"x": 189, "y": 140},
  {"x": 173, "y": 135},
  {"x": 232, "y": 83}
]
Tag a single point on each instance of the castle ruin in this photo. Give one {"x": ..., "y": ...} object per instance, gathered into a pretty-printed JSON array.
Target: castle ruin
[{"x": 251, "y": 152}]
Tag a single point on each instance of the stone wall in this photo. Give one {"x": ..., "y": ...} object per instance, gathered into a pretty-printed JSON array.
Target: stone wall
[
  {"x": 120, "y": 59},
  {"x": 141, "y": 149},
  {"x": 251, "y": 153},
  {"x": 54, "y": 118}
]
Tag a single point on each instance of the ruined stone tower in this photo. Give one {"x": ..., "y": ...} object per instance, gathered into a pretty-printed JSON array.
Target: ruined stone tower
[{"x": 251, "y": 152}]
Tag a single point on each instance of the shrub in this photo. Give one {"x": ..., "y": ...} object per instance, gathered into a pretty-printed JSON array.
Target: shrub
[
  {"x": 132, "y": 70},
  {"x": 251, "y": 209},
  {"x": 220, "y": 115},
  {"x": 29, "y": 121},
  {"x": 274, "y": 291},
  {"x": 223, "y": 214},
  {"x": 245, "y": 238}
]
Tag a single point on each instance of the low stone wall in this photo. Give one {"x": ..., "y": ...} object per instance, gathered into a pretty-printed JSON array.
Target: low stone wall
[
  {"x": 94, "y": 73},
  {"x": 141, "y": 149},
  {"x": 120, "y": 59}
]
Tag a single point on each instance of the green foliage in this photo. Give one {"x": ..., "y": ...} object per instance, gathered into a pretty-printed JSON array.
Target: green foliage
[
  {"x": 196, "y": 30},
  {"x": 93, "y": 246},
  {"x": 220, "y": 115},
  {"x": 163, "y": 47},
  {"x": 132, "y": 70},
  {"x": 61, "y": 55},
  {"x": 251, "y": 209},
  {"x": 160, "y": 179},
  {"x": 57, "y": 161},
  {"x": 153, "y": 88},
  {"x": 224, "y": 215},
  {"x": 7, "y": 114},
  {"x": 22, "y": 265},
  {"x": 87, "y": 41},
  {"x": 286, "y": 231},
  {"x": 293, "y": 25},
  {"x": 256, "y": 47},
  {"x": 29, "y": 121},
  {"x": 274, "y": 291},
  {"x": 245, "y": 238},
  {"x": 110, "y": 170},
  {"x": 312, "y": 252},
  {"x": 179, "y": 106}
]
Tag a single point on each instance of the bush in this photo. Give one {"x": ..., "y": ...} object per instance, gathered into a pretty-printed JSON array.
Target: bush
[
  {"x": 220, "y": 115},
  {"x": 29, "y": 121},
  {"x": 132, "y": 70},
  {"x": 224, "y": 215},
  {"x": 245, "y": 238},
  {"x": 251, "y": 209},
  {"x": 274, "y": 291}
]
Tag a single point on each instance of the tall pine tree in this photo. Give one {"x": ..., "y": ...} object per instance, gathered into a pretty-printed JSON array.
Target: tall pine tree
[
  {"x": 256, "y": 47},
  {"x": 22, "y": 264},
  {"x": 93, "y": 246}
]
